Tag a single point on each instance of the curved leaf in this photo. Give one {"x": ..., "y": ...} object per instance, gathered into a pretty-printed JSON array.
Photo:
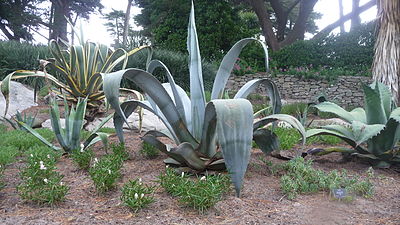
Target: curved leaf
[
  {"x": 152, "y": 87},
  {"x": 270, "y": 88},
  {"x": 226, "y": 66},
  {"x": 234, "y": 133},
  {"x": 373, "y": 106},
  {"x": 337, "y": 110},
  {"x": 283, "y": 117},
  {"x": 266, "y": 140}
]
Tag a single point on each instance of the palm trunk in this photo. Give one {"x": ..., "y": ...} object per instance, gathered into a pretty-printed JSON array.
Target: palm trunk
[{"x": 386, "y": 65}]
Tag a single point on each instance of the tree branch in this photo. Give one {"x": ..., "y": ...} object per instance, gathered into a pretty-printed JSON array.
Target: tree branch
[{"x": 332, "y": 26}]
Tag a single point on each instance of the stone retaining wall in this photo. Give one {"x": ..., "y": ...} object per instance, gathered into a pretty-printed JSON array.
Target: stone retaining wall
[{"x": 346, "y": 90}]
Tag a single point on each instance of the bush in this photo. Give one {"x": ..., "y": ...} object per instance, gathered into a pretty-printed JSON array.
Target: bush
[
  {"x": 105, "y": 172},
  {"x": 41, "y": 183},
  {"x": 18, "y": 56},
  {"x": 200, "y": 194},
  {"x": 301, "y": 178},
  {"x": 343, "y": 54},
  {"x": 137, "y": 195}
]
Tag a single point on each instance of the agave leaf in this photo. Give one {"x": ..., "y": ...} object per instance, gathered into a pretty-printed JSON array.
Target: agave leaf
[
  {"x": 359, "y": 113},
  {"x": 325, "y": 151},
  {"x": 56, "y": 126},
  {"x": 266, "y": 140},
  {"x": 208, "y": 141},
  {"x": 283, "y": 117},
  {"x": 385, "y": 96},
  {"x": 337, "y": 110},
  {"x": 226, "y": 66},
  {"x": 184, "y": 153},
  {"x": 262, "y": 111},
  {"x": 388, "y": 137},
  {"x": 234, "y": 133},
  {"x": 78, "y": 124},
  {"x": 373, "y": 106},
  {"x": 197, "y": 96},
  {"x": 100, "y": 125},
  {"x": 348, "y": 140},
  {"x": 178, "y": 97},
  {"x": 363, "y": 132},
  {"x": 340, "y": 129},
  {"x": 37, "y": 135},
  {"x": 96, "y": 137},
  {"x": 154, "y": 89},
  {"x": 271, "y": 89}
]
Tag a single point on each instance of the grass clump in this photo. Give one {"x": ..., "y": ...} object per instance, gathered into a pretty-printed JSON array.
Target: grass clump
[
  {"x": 137, "y": 195},
  {"x": 23, "y": 141},
  {"x": 119, "y": 152},
  {"x": 7, "y": 155},
  {"x": 82, "y": 158},
  {"x": 288, "y": 137},
  {"x": 41, "y": 183},
  {"x": 105, "y": 172},
  {"x": 301, "y": 178},
  {"x": 324, "y": 139},
  {"x": 149, "y": 151},
  {"x": 200, "y": 193}
]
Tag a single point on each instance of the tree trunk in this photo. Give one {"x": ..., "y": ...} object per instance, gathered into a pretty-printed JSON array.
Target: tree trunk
[
  {"x": 355, "y": 20},
  {"x": 59, "y": 26},
  {"x": 126, "y": 23},
  {"x": 341, "y": 16},
  {"x": 265, "y": 23},
  {"x": 386, "y": 65}
]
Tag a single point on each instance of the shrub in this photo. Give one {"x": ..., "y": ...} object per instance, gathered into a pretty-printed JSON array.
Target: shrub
[
  {"x": 301, "y": 178},
  {"x": 82, "y": 158},
  {"x": 200, "y": 193},
  {"x": 41, "y": 183},
  {"x": 105, "y": 172},
  {"x": 149, "y": 151},
  {"x": 137, "y": 195}
]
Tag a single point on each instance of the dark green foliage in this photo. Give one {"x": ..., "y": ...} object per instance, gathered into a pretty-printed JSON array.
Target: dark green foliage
[
  {"x": 288, "y": 137},
  {"x": 200, "y": 194},
  {"x": 137, "y": 195},
  {"x": 348, "y": 54},
  {"x": 219, "y": 25},
  {"x": 301, "y": 178},
  {"x": 21, "y": 56},
  {"x": 324, "y": 139}
]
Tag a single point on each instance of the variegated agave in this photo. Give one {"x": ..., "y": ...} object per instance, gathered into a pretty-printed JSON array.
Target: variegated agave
[
  {"x": 373, "y": 133},
  {"x": 80, "y": 67},
  {"x": 211, "y": 136}
]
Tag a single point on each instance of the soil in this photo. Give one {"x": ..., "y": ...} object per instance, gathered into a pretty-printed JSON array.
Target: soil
[{"x": 261, "y": 202}]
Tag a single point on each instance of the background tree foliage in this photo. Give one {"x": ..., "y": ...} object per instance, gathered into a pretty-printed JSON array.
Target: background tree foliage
[{"x": 219, "y": 25}]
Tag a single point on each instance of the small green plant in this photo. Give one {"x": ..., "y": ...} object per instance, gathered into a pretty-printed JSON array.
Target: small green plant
[
  {"x": 70, "y": 137},
  {"x": 301, "y": 178},
  {"x": 29, "y": 120},
  {"x": 200, "y": 193},
  {"x": 119, "y": 152},
  {"x": 105, "y": 172},
  {"x": 328, "y": 140},
  {"x": 137, "y": 195},
  {"x": 149, "y": 151},
  {"x": 41, "y": 183},
  {"x": 83, "y": 158}
]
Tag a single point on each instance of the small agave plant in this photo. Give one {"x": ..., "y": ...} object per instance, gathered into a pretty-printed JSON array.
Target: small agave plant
[
  {"x": 209, "y": 136},
  {"x": 373, "y": 132},
  {"x": 70, "y": 137}
]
